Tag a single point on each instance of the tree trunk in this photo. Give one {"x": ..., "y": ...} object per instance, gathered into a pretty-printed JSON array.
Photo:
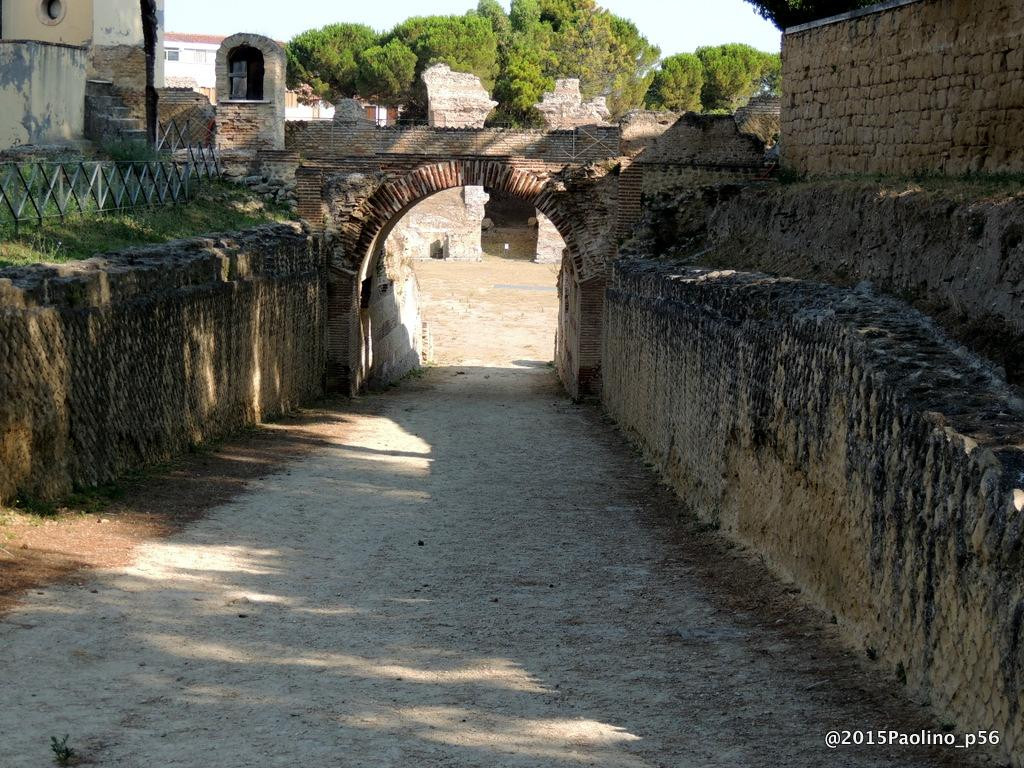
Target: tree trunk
[{"x": 149, "y": 31}]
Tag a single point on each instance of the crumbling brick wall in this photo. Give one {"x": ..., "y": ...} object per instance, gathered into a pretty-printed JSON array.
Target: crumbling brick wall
[
  {"x": 117, "y": 362},
  {"x": 933, "y": 85},
  {"x": 860, "y": 451},
  {"x": 564, "y": 107}
]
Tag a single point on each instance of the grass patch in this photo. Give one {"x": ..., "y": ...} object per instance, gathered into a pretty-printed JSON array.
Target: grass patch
[{"x": 219, "y": 207}]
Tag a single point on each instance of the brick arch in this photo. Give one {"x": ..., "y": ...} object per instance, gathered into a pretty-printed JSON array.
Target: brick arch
[
  {"x": 372, "y": 220},
  {"x": 361, "y": 210}
]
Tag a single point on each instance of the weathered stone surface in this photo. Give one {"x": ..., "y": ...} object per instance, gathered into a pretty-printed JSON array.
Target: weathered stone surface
[
  {"x": 456, "y": 99},
  {"x": 581, "y": 203},
  {"x": 642, "y": 126},
  {"x": 861, "y": 452},
  {"x": 925, "y": 86},
  {"x": 564, "y": 107},
  {"x": 120, "y": 361},
  {"x": 960, "y": 262},
  {"x": 351, "y": 111},
  {"x": 393, "y": 325},
  {"x": 443, "y": 226},
  {"x": 761, "y": 117},
  {"x": 550, "y": 244},
  {"x": 251, "y": 125}
]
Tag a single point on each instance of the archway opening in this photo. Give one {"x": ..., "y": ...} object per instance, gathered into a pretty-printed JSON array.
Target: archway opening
[
  {"x": 246, "y": 73},
  {"x": 510, "y": 228},
  {"x": 441, "y": 289}
]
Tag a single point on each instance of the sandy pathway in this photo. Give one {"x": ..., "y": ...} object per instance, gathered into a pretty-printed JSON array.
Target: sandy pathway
[{"x": 474, "y": 573}]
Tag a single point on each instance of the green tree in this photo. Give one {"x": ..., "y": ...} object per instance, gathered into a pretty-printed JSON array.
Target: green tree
[
  {"x": 787, "y": 13},
  {"x": 733, "y": 73},
  {"x": 607, "y": 53},
  {"x": 526, "y": 59},
  {"x": 465, "y": 43},
  {"x": 495, "y": 14},
  {"x": 677, "y": 84},
  {"x": 387, "y": 72},
  {"x": 327, "y": 59}
]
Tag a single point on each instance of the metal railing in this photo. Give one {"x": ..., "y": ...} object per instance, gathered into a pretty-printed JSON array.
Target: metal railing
[
  {"x": 32, "y": 192},
  {"x": 35, "y": 192}
]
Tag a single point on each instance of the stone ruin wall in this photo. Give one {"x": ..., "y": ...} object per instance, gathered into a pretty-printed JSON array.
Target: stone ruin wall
[
  {"x": 961, "y": 263},
  {"x": 564, "y": 108},
  {"x": 865, "y": 455},
  {"x": 550, "y": 244},
  {"x": 932, "y": 85},
  {"x": 443, "y": 226},
  {"x": 126, "y": 360},
  {"x": 392, "y": 321},
  {"x": 248, "y": 126},
  {"x": 455, "y": 99}
]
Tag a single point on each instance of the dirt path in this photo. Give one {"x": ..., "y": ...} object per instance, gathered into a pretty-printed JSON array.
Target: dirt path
[{"x": 470, "y": 571}]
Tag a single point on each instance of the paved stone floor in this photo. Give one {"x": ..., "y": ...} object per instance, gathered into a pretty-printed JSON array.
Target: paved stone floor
[{"x": 472, "y": 571}]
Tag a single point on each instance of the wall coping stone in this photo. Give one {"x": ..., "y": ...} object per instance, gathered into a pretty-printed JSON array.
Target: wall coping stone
[
  {"x": 148, "y": 270},
  {"x": 882, "y": 328},
  {"x": 849, "y": 15}
]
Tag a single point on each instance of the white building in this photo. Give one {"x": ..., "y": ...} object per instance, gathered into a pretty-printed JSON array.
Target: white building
[{"x": 190, "y": 61}]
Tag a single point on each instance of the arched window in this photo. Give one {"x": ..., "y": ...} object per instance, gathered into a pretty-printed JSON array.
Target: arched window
[{"x": 245, "y": 73}]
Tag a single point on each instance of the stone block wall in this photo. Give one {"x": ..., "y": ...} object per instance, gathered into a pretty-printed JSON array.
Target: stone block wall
[
  {"x": 191, "y": 111},
  {"x": 930, "y": 85},
  {"x": 564, "y": 107},
  {"x": 391, "y": 320},
  {"x": 124, "y": 67},
  {"x": 550, "y": 244},
  {"x": 862, "y": 453},
  {"x": 325, "y": 140},
  {"x": 252, "y": 124},
  {"x": 443, "y": 226},
  {"x": 642, "y": 126},
  {"x": 960, "y": 261},
  {"x": 704, "y": 141},
  {"x": 455, "y": 99},
  {"x": 120, "y": 361}
]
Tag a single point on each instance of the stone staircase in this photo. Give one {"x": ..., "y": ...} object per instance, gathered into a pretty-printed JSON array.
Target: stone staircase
[{"x": 108, "y": 118}]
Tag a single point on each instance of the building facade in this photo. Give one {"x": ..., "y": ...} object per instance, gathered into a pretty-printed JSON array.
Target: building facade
[{"x": 49, "y": 49}]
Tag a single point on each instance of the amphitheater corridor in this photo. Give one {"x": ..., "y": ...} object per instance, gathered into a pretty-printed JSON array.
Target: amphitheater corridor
[{"x": 471, "y": 571}]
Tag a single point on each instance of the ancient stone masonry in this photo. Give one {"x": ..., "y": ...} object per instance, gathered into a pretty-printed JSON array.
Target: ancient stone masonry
[
  {"x": 444, "y": 226},
  {"x": 861, "y": 452},
  {"x": 120, "y": 361},
  {"x": 324, "y": 140},
  {"x": 360, "y": 209},
  {"x": 762, "y": 118},
  {"x": 391, "y": 321},
  {"x": 250, "y": 94},
  {"x": 960, "y": 262},
  {"x": 191, "y": 112},
  {"x": 564, "y": 107},
  {"x": 456, "y": 99},
  {"x": 550, "y": 244},
  {"x": 642, "y": 126},
  {"x": 933, "y": 85},
  {"x": 123, "y": 68}
]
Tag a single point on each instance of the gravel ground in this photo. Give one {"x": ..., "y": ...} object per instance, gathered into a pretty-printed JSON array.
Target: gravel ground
[{"x": 467, "y": 570}]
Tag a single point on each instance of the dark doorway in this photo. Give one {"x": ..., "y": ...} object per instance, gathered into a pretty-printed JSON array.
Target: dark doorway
[{"x": 245, "y": 71}]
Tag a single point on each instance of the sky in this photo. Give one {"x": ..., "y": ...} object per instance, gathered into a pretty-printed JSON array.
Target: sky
[{"x": 675, "y": 26}]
